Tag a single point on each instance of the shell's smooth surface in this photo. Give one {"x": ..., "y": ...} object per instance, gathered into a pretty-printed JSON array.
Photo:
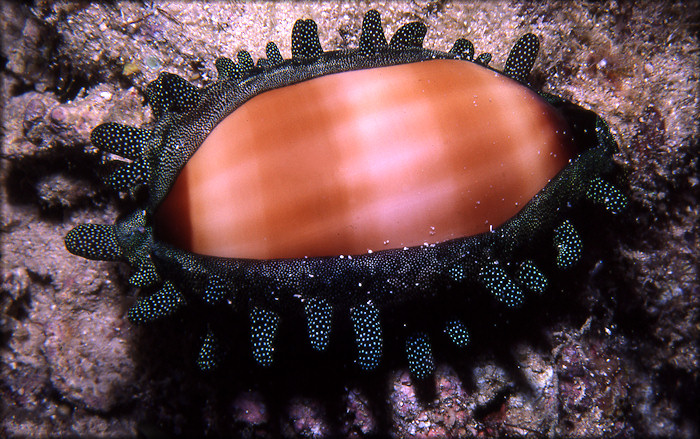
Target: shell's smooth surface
[{"x": 366, "y": 160}]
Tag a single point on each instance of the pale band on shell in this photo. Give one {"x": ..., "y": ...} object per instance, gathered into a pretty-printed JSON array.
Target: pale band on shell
[{"x": 364, "y": 160}]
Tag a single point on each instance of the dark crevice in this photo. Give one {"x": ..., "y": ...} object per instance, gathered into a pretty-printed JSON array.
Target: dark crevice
[{"x": 24, "y": 176}]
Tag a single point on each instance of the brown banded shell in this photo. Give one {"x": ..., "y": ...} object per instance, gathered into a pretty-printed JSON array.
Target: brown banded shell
[{"x": 366, "y": 160}]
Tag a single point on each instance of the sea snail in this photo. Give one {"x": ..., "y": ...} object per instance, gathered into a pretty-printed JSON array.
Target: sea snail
[{"x": 338, "y": 184}]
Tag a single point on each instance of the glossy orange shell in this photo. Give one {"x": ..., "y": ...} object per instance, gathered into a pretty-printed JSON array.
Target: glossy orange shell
[{"x": 366, "y": 160}]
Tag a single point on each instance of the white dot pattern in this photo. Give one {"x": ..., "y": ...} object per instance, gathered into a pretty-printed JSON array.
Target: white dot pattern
[
  {"x": 372, "y": 39},
  {"x": 318, "y": 319},
  {"x": 498, "y": 283},
  {"x": 226, "y": 69},
  {"x": 146, "y": 275},
  {"x": 522, "y": 57},
  {"x": 94, "y": 241},
  {"x": 245, "y": 61},
  {"x": 263, "y": 328},
  {"x": 368, "y": 335},
  {"x": 128, "y": 176},
  {"x": 160, "y": 304},
  {"x": 463, "y": 49},
  {"x": 457, "y": 273},
  {"x": 408, "y": 36},
  {"x": 420, "y": 356},
  {"x": 171, "y": 93},
  {"x": 601, "y": 192},
  {"x": 215, "y": 291},
  {"x": 134, "y": 238},
  {"x": 530, "y": 277},
  {"x": 305, "y": 42},
  {"x": 209, "y": 353},
  {"x": 484, "y": 59},
  {"x": 568, "y": 245},
  {"x": 457, "y": 332},
  {"x": 122, "y": 140},
  {"x": 274, "y": 57}
]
